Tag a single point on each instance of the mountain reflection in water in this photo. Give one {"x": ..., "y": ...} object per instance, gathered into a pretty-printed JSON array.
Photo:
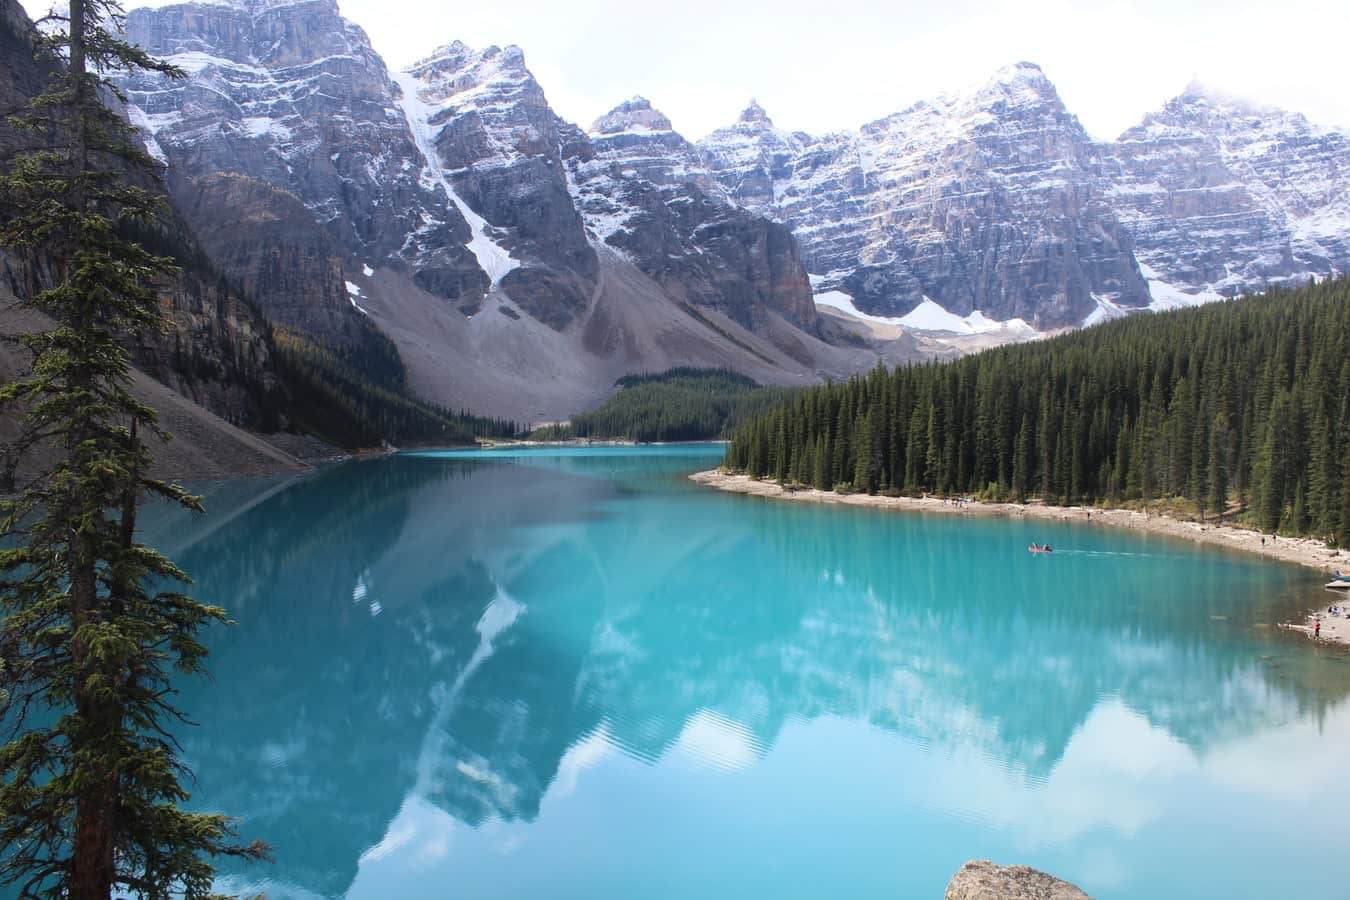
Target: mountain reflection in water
[{"x": 579, "y": 675}]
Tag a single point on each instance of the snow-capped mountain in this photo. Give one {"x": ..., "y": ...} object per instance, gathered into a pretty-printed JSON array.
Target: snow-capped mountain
[
  {"x": 519, "y": 264},
  {"x": 643, "y": 190},
  {"x": 984, "y": 201},
  {"x": 293, "y": 95},
  {"x": 493, "y": 143},
  {"x": 457, "y": 168},
  {"x": 996, "y": 202},
  {"x": 980, "y": 217},
  {"x": 1224, "y": 197}
]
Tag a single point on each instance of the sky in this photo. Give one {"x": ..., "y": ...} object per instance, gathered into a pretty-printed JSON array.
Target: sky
[{"x": 823, "y": 66}]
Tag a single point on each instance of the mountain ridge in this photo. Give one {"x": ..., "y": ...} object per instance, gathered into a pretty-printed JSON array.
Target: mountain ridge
[{"x": 988, "y": 213}]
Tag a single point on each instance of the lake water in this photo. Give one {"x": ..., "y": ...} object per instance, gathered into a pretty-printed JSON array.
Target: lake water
[{"x": 576, "y": 674}]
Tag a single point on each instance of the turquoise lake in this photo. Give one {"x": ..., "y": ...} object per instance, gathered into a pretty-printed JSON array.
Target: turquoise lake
[{"x": 575, "y": 674}]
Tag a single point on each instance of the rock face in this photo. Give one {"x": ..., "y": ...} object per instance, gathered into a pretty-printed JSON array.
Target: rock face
[
  {"x": 266, "y": 243},
  {"x": 971, "y": 214},
  {"x": 997, "y": 200},
  {"x": 1223, "y": 197},
  {"x": 293, "y": 95},
  {"x": 457, "y": 169},
  {"x": 986, "y": 201},
  {"x": 217, "y": 351},
  {"x": 642, "y": 189},
  {"x": 982, "y": 880},
  {"x": 495, "y": 147}
]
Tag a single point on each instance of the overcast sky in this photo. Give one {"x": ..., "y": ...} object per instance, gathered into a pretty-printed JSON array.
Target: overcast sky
[{"x": 832, "y": 64}]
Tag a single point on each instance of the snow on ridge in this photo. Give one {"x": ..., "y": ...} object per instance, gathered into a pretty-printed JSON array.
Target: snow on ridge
[
  {"x": 1165, "y": 296},
  {"x": 141, "y": 121},
  {"x": 494, "y": 259},
  {"x": 1106, "y": 311},
  {"x": 252, "y": 7},
  {"x": 353, "y": 295},
  {"x": 929, "y": 315}
]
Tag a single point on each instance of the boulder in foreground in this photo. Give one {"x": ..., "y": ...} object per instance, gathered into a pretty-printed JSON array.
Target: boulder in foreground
[{"x": 983, "y": 880}]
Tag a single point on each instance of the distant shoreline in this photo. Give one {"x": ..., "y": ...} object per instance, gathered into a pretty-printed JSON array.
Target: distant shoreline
[
  {"x": 1307, "y": 552},
  {"x": 487, "y": 444}
]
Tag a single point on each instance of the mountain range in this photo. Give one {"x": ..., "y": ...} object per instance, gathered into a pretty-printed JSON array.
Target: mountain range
[{"x": 520, "y": 263}]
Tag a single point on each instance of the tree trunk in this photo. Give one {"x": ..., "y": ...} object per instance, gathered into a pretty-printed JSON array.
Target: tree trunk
[
  {"x": 92, "y": 862},
  {"x": 92, "y": 866}
]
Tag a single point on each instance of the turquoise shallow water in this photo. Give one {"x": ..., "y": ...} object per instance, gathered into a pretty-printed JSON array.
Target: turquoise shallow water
[{"x": 560, "y": 674}]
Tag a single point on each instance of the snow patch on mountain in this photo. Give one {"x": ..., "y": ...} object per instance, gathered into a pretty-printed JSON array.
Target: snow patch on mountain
[
  {"x": 144, "y": 127},
  {"x": 1106, "y": 311},
  {"x": 354, "y": 295},
  {"x": 495, "y": 259},
  {"x": 931, "y": 317},
  {"x": 984, "y": 200},
  {"x": 1165, "y": 296},
  {"x": 1223, "y": 196}
]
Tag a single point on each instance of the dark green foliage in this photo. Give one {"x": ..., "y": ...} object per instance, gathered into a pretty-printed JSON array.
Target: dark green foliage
[
  {"x": 683, "y": 404},
  {"x": 92, "y": 628},
  {"x": 716, "y": 379},
  {"x": 1243, "y": 402},
  {"x": 333, "y": 398}
]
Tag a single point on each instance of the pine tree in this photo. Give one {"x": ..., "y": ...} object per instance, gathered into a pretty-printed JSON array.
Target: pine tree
[
  {"x": 1343, "y": 533},
  {"x": 1217, "y": 498},
  {"x": 1021, "y": 458},
  {"x": 90, "y": 783}
]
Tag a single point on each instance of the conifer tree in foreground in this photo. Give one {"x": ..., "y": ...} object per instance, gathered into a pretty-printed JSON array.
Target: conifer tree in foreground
[{"x": 90, "y": 780}]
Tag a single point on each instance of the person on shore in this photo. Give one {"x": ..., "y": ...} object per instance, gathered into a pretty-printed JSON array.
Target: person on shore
[
  {"x": 1317, "y": 628},
  {"x": 1263, "y": 540}
]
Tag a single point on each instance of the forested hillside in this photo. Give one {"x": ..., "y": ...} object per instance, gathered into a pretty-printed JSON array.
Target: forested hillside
[
  {"x": 1236, "y": 408},
  {"x": 682, "y": 404},
  {"x": 357, "y": 397}
]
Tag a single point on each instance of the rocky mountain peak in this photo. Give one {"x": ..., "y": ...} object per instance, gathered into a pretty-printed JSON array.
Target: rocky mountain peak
[
  {"x": 898, "y": 212},
  {"x": 1227, "y": 196},
  {"x": 293, "y": 95},
  {"x": 1213, "y": 111},
  {"x": 1021, "y": 84},
  {"x": 456, "y": 68},
  {"x": 256, "y": 7},
  {"x": 1200, "y": 91},
  {"x": 459, "y": 56},
  {"x": 636, "y": 114},
  {"x": 754, "y": 114}
]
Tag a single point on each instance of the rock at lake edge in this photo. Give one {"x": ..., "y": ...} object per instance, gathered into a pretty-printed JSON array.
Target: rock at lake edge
[{"x": 983, "y": 880}]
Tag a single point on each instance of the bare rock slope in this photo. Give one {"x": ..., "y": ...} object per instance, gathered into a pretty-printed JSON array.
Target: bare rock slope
[{"x": 203, "y": 445}]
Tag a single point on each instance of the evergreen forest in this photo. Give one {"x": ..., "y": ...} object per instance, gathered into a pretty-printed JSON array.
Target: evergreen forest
[
  {"x": 357, "y": 397},
  {"x": 681, "y": 404},
  {"x": 1238, "y": 409}
]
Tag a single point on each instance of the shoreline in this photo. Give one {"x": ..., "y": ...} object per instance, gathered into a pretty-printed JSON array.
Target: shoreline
[
  {"x": 489, "y": 444},
  {"x": 1306, "y": 552}
]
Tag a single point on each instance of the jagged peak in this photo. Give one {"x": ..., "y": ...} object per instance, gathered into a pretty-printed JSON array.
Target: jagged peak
[
  {"x": 1022, "y": 83},
  {"x": 635, "y": 114},
  {"x": 1019, "y": 70},
  {"x": 255, "y": 7},
  {"x": 1199, "y": 90},
  {"x": 754, "y": 114},
  {"x": 459, "y": 54}
]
